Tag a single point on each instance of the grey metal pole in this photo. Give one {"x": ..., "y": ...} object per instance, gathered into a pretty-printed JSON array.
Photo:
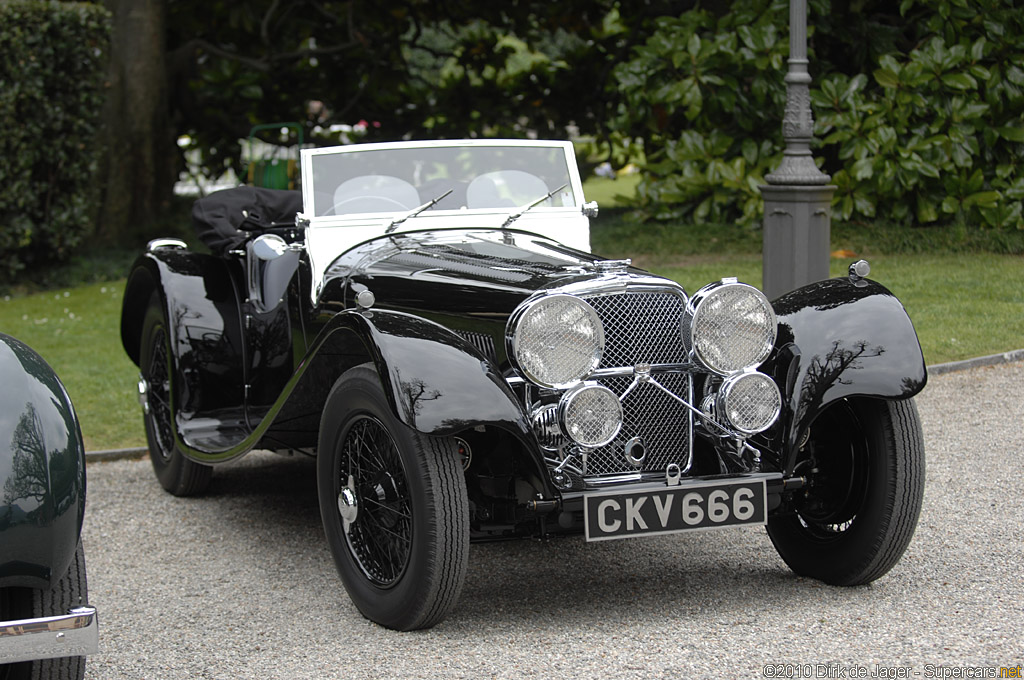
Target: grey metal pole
[{"x": 798, "y": 196}]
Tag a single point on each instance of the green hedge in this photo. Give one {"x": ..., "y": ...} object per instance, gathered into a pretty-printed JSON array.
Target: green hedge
[
  {"x": 52, "y": 59},
  {"x": 919, "y": 109}
]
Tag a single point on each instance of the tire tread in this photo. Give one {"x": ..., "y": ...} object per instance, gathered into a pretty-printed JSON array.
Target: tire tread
[
  {"x": 435, "y": 587},
  {"x": 867, "y": 552}
]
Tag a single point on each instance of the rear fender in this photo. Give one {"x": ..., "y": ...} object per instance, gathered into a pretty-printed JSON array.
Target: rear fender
[
  {"x": 200, "y": 301},
  {"x": 840, "y": 338}
]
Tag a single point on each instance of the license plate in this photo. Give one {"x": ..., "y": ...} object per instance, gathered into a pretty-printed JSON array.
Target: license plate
[{"x": 669, "y": 510}]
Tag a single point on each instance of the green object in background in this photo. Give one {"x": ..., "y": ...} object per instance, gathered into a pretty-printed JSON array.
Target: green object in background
[{"x": 279, "y": 169}]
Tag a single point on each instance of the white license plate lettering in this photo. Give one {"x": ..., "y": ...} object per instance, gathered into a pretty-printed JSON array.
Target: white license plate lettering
[{"x": 624, "y": 514}]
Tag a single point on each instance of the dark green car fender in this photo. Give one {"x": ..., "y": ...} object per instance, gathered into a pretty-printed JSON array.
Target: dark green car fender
[{"x": 42, "y": 470}]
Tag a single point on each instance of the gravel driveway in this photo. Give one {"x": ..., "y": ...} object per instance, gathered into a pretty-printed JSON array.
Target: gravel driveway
[{"x": 239, "y": 583}]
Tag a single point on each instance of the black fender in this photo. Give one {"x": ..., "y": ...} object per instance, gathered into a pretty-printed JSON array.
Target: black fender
[
  {"x": 436, "y": 382},
  {"x": 42, "y": 471},
  {"x": 201, "y": 303},
  {"x": 840, "y": 338}
]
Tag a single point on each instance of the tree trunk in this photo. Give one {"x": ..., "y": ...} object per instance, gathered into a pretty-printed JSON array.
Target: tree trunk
[{"x": 139, "y": 160}]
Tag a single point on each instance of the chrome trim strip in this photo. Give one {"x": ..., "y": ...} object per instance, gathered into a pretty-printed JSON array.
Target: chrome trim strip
[
  {"x": 619, "y": 371},
  {"x": 623, "y": 478},
  {"x": 158, "y": 243},
  {"x": 73, "y": 634}
]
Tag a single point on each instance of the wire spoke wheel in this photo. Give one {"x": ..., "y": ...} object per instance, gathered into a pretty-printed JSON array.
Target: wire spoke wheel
[
  {"x": 158, "y": 393},
  {"x": 864, "y": 465},
  {"x": 839, "y": 458},
  {"x": 176, "y": 473},
  {"x": 381, "y": 536},
  {"x": 394, "y": 507}
]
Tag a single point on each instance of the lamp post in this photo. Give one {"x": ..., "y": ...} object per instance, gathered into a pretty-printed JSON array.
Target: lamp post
[{"x": 798, "y": 196}]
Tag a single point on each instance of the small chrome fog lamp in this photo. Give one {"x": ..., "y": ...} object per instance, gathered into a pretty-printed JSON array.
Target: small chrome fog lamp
[
  {"x": 749, "y": 402},
  {"x": 590, "y": 415},
  {"x": 544, "y": 419}
]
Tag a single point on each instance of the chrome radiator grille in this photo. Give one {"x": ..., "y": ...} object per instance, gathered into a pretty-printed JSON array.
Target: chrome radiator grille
[
  {"x": 643, "y": 327},
  {"x": 640, "y": 328}
]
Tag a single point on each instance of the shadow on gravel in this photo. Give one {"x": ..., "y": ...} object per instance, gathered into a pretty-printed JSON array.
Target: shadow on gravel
[{"x": 270, "y": 504}]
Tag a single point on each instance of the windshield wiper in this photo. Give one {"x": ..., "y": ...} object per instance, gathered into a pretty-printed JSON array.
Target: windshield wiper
[
  {"x": 521, "y": 211},
  {"x": 416, "y": 211}
]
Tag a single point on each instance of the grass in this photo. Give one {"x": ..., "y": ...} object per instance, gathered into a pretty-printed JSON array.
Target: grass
[
  {"x": 77, "y": 331},
  {"x": 964, "y": 290}
]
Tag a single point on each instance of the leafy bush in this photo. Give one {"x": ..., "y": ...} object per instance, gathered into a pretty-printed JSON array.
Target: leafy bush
[
  {"x": 919, "y": 114},
  {"x": 705, "y": 95},
  {"x": 51, "y": 71}
]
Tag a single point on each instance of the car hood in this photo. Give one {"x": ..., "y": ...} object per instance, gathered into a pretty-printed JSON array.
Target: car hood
[{"x": 476, "y": 272}]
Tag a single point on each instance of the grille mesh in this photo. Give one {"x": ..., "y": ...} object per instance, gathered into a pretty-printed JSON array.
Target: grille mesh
[
  {"x": 655, "y": 417},
  {"x": 640, "y": 328},
  {"x": 644, "y": 327}
]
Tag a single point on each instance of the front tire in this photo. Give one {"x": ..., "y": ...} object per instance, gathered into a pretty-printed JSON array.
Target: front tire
[
  {"x": 394, "y": 507},
  {"x": 176, "y": 473},
  {"x": 865, "y": 467},
  {"x": 27, "y": 603}
]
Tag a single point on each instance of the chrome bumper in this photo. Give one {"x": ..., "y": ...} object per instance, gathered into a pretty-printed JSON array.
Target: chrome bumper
[{"x": 74, "y": 634}]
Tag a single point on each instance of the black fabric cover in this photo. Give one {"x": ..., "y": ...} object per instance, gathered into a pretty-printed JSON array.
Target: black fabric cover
[{"x": 219, "y": 216}]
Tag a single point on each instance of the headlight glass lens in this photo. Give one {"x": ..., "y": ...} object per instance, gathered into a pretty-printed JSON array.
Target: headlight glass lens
[
  {"x": 731, "y": 327},
  {"x": 557, "y": 341},
  {"x": 590, "y": 415},
  {"x": 750, "y": 402}
]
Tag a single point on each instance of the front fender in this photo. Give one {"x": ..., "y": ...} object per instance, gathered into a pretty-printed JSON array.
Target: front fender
[
  {"x": 436, "y": 382},
  {"x": 841, "y": 338},
  {"x": 42, "y": 471}
]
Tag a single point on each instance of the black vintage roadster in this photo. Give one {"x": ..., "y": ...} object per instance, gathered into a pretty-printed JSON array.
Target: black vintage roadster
[{"x": 426, "y": 319}]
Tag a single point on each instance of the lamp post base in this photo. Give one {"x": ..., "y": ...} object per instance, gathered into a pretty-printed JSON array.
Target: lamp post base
[{"x": 797, "y": 230}]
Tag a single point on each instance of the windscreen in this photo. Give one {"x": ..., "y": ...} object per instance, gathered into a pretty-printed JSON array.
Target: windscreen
[{"x": 400, "y": 179}]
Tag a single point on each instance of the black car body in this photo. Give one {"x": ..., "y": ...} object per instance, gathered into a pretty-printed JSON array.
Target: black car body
[
  {"x": 46, "y": 625},
  {"x": 433, "y": 328}
]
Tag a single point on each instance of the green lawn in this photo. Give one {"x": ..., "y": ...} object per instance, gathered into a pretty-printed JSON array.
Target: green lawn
[
  {"x": 77, "y": 331},
  {"x": 962, "y": 306}
]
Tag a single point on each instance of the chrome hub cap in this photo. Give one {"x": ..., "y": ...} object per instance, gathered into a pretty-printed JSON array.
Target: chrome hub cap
[
  {"x": 144, "y": 395},
  {"x": 348, "y": 504}
]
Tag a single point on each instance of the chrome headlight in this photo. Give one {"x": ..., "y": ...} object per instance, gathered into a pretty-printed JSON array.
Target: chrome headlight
[
  {"x": 590, "y": 415},
  {"x": 749, "y": 402},
  {"x": 729, "y": 326},
  {"x": 556, "y": 340}
]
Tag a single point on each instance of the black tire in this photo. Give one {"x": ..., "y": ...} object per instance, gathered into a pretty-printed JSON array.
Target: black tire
[
  {"x": 865, "y": 466},
  {"x": 26, "y": 603},
  {"x": 176, "y": 473},
  {"x": 404, "y": 554}
]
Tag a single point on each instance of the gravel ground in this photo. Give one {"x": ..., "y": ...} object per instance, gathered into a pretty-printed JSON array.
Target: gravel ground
[{"x": 239, "y": 583}]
